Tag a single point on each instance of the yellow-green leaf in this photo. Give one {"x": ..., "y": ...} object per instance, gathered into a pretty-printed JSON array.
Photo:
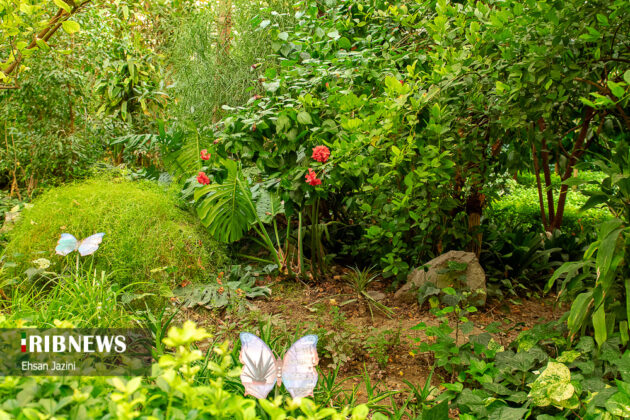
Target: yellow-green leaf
[
  {"x": 70, "y": 26},
  {"x": 63, "y": 5}
]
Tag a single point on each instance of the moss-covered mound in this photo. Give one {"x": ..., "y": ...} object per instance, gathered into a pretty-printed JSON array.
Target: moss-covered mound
[{"x": 147, "y": 237}]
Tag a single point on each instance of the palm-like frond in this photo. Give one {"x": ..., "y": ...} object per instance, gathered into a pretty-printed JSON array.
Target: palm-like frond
[
  {"x": 260, "y": 370},
  {"x": 182, "y": 149},
  {"x": 226, "y": 209}
]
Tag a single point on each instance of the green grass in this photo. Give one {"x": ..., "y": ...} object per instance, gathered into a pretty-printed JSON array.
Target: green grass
[
  {"x": 148, "y": 239},
  {"x": 82, "y": 297},
  {"x": 519, "y": 204}
]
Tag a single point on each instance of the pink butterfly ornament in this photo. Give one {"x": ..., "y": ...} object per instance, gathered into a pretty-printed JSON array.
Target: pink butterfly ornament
[{"x": 262, "y": 371}]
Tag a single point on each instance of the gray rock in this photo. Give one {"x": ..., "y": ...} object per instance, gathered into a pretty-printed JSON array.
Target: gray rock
[
  {"x": 376, "y": 295},
  {"x": 471, "y": 278}
]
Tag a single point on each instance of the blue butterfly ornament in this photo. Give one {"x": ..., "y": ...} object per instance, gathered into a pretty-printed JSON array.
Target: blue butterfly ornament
[{"x": 68, "y": 243}]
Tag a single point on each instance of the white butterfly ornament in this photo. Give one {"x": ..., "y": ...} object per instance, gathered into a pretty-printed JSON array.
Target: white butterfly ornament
[
  {"x": 68, "y": 243},
  {"x": 261, "y": 370}
]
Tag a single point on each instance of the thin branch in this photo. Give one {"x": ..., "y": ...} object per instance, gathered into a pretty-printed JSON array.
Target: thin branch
[{"x": 51, "y": 27}]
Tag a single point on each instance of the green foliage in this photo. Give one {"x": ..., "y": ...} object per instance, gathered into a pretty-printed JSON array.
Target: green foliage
[
  {"x": 27, "y": 28},
  {"x": 518, "y": 261},
  {"x": 450, "y": 354},
  {"x": 147, "y": 238},
  {"x": 598, "y": 284},
  {"x": 84, "y": 297},
  {"x": 381, "y": 346},
  {"x": 174, "y": 391},
  {"x": 218, "y": 57},
  {"x": 224, "y": 292},
  {"x": 517, "y": 206},
  {"x": 131, "y": 82},
  {"x": 226, "y": 208},
  {"x": 360, "y": 279},
  {"x": 542, "y": 374},
  {"x": 417, "y": 140}
]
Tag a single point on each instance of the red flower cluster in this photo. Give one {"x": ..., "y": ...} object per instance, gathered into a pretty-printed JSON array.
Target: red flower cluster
[
  {"x": 311, "y": 178},
  {"x": 321, "y": 153},
  {"x": 205, "y": 155},
  {"x": 203, "y": 179}
]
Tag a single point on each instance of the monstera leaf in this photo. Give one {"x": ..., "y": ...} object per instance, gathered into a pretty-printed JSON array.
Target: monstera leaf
[
  {"x": 268, "y": 205},
  {"x": 226, "y": 209}
]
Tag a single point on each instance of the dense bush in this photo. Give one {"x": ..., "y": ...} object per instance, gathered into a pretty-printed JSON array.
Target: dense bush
[
  {"x": 417, "y": 118},
  {"x": 147, "y": 237},
  {"x": 517, "y": 206},
  {"x": 214, "y": 53},
  {"x": 174, "y": 392}
]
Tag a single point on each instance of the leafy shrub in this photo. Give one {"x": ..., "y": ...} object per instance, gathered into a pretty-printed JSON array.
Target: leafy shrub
[
  {"x": 518, "y": 206},
  {"x": 208, "y": 74},
  {"x": 542, "y": 374},
  {"x": 174, "y": 393},
  {"x": 598, "y": 285},
  {"x": 224, "y": 292},
  {"x": 528, "y": 179},
  {"x": 147, "y": 238}
]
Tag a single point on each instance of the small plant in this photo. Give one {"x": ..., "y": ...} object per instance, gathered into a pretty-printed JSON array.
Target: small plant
[
  {"x": 381, "y": 345},
  {"x": 223, "y": 292},
  {"x": 158, "y": 323},
  {"x": 447, "y": 350},
  {"x": 329, "y": 387},
  {"x": 360, "y": 279}
]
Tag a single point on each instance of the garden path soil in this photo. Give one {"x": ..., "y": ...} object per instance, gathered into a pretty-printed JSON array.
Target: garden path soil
[{"x": 295, "y": 307}]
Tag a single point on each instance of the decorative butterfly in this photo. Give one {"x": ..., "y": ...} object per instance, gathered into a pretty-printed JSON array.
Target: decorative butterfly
[
  {"x": 261, "y": 370},
  {"x": 68, "y": 243}
]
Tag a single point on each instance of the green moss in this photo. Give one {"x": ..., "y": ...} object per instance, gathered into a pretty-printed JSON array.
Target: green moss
[{"x": 147, "y": 237}]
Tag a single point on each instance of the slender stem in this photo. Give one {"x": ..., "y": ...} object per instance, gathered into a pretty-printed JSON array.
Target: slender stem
[
  {"x": 262, "y": 232},
  {"x": 314, "y": 252},
  {"x": 300, "y": 250},
  {"x": 287, "y": 259},
  {"x": 539, "y": 186}
]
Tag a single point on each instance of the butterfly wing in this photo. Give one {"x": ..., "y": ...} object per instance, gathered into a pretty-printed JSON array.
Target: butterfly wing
[
  {"x": 298, "y": 367},
  {"x": 260, "y": 368},
  {"x": 90, "y": 244},
  {"x": 66, "y": 244}
]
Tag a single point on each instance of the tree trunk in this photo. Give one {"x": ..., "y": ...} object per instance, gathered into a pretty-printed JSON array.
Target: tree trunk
[
  {"x": 579, "y": 148},
  {"x": 474, "y": 210}
]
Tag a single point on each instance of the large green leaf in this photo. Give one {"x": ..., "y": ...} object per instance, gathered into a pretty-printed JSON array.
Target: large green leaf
[
  {"x": 579, "y": 310},
  {"x": 599, "y": 324},
  {"x": 608, "y": 234},
  {"x": 268, "y": 205},
  {"x": 226, "y": 209}
]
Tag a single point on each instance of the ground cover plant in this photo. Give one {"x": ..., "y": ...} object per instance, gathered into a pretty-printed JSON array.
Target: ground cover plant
[
  {"x": 340, "y": 168},
  {"x": 149, "y": 239}
]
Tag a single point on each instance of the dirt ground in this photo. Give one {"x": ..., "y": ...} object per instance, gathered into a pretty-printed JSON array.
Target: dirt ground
[{"x": 345, "y": 329}]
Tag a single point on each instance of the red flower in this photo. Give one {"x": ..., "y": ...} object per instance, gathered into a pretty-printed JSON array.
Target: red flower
[
  {"x": 311, "y": 178},
  {"x": 321, "y": 153},
  {"x": 203, "y": 179},
  {"x": 205, "y": 155},
  {"x": 217, "y": 141}
]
